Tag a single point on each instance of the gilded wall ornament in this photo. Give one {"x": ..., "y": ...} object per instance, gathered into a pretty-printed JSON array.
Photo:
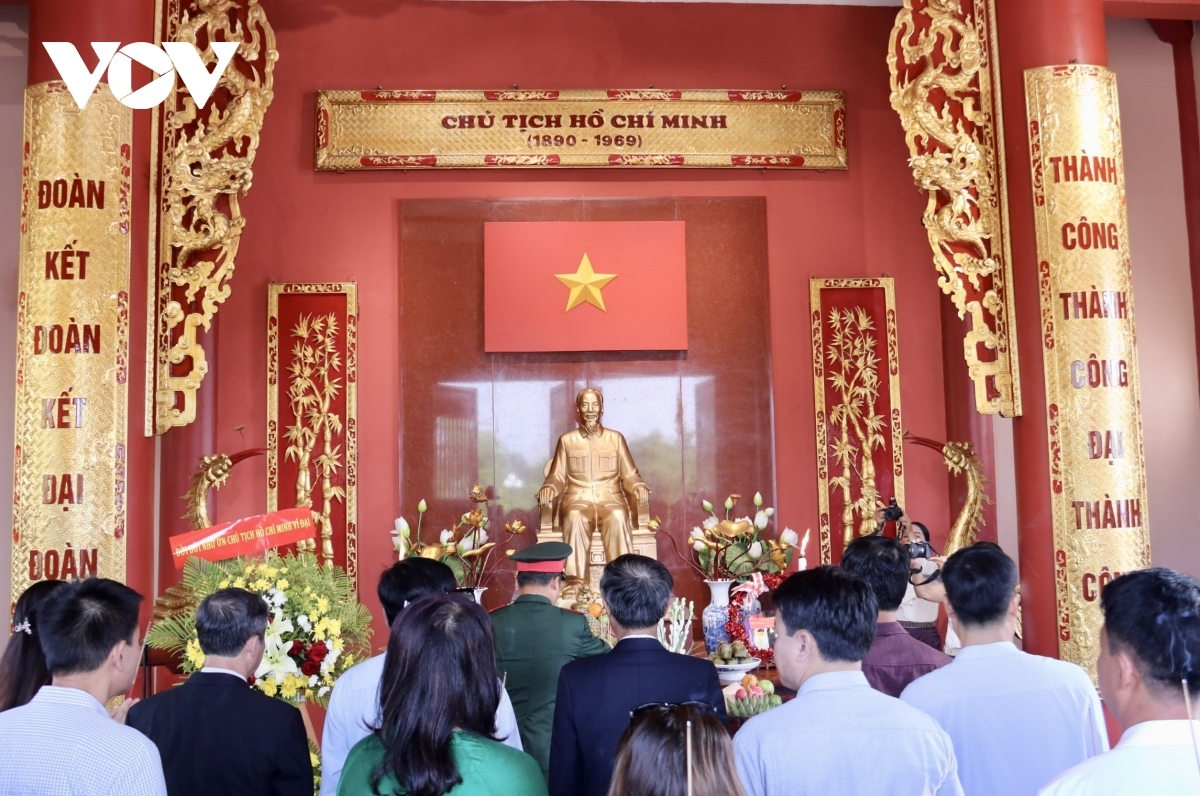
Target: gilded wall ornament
[
  {"x": 312, "y": 409},
  {"x": 201, "y": 165},
  {"x": 946, "y": 89},
  {"x": 856, "y": 381}
]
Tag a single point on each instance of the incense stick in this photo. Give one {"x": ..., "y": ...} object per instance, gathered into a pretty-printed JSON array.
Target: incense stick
[{"x": 689, "y": 758}]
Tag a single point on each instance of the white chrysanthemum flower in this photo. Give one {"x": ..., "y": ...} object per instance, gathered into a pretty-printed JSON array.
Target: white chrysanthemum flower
[
  {"x": 304, "y": 623},
  {"x": 322, "y": 691},
  {"x": 313, "y": 680}
]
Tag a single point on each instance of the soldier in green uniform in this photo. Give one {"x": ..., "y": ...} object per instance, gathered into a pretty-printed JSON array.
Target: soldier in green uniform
[{"x": 534, "y": 639}]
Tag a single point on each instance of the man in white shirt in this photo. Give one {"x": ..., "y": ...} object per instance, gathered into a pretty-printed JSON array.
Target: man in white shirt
[
  {"x": 1017, "y": 720},
  {"x": 354, "y": 703},
  {"x": 64, "y": 740},
  {"x": 839, "y": 735},
  {"x": 1149, "y": 648}
]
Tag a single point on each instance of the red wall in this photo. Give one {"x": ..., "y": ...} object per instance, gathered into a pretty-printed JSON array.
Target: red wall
[{"x": 304, "y": 226}]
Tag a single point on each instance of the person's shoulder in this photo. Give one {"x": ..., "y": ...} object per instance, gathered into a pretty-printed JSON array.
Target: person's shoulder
[
  {"x": 499, "y": 763},
  {"x": 1068, "y": 673},
  {"x": 903, "y": 714},
  {"x": 933, "y": 687},
  {"x": 1081, "y": 778},
  {"x": 923, "y": 653}
]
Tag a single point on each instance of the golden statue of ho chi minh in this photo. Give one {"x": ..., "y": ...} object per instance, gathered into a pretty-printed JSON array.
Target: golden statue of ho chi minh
[{"x": 592, "y": 477}]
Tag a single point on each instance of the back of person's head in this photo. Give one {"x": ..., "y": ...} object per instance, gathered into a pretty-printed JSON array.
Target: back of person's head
[
  {"x": 652, "y": 755},
  {"x": 883, "y": 563},
  {"x": 23, "y": 668},
  {"x": 980, "y": 583},
  {"x": 227, "y": 619},
  {"x": 81, "y": 622},
  {"x": 439, "y": 676},
  {"x": 1154, "y": 616},
  {"x": 410, "y": 578},
  {"x": 636, "y": 590},
  {"x": 837, "y": 608},
  {"x": 539, "y": 579}
]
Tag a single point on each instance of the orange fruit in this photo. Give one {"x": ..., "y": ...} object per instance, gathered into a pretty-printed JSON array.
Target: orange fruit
[{"x": 595, "y": 610}]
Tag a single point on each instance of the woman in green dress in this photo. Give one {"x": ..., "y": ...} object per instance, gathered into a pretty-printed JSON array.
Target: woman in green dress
[{"x": 437, "y": 710}]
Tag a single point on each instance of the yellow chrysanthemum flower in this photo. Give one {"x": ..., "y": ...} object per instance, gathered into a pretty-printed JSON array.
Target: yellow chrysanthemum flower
[
  {"x": 260, "y": 585},
  {"x": 248, "y": 569},
  {"x": 239, "y": 583},
  {"x": 223, "y": 584},
  {"x": 282, "y": 584},
  {"x": 323, "y": 604},
  {"x": 288, "y": 689},
  {"x": 270, "y": 572},
  {"x": 269, "y": 686},
  {"x": 194, "y": 654}
]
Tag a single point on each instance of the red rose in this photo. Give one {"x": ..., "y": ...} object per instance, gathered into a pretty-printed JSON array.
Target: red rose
[
  {"x": 310, "y": 667},
  {"x": 297, "y": 647},
  {"x": 318, "y": 651}
]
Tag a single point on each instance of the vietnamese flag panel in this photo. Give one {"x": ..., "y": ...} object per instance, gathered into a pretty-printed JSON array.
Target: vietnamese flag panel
[{"x": 584, "y": 286}]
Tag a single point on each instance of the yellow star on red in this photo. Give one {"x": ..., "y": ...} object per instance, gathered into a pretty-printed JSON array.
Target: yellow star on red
[{"x": 585, "y": 285}]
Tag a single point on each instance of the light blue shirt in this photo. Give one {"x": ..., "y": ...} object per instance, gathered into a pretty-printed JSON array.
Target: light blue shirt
[
  {"x": 354, "y": 707},
  {"x": 1017, "y": 720},
  {"x": 840, "y": 736},
  {"x": 64, "y": 743}
]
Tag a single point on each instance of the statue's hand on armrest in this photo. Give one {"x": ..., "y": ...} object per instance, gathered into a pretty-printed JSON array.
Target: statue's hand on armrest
[
  {"x": 545, "y": 496},
  {"x": 642, "y": 494}
]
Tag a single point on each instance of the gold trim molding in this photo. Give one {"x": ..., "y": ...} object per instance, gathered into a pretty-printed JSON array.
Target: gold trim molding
[
  {"x": 201, "y": 164},
  {"x": 946, "y": 89},
  {"x": 306, "y": 368}
]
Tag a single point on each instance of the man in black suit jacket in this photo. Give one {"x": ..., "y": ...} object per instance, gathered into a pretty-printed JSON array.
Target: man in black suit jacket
[
  {"x": 216, "y": 734},
  {"x": 596, "y": 695}
]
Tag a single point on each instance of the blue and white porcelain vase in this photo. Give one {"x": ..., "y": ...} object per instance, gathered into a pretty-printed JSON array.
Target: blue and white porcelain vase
[{"x": 715, "y": 614}]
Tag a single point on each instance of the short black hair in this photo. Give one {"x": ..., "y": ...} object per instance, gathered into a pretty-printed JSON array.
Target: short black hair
[
  {"x": 884, "y": 564},
  {"x": 924, "y": 530},
  {"x": 536, "y": 578},
  {"x": 636, "y": 590},
  {"x": 81, "y": 622},
  {"x": 980, "y": 583},
  {"x": 227, "y": 619},
  {"x": 410, "y": 578},
  {"x": 838, "y": 608},
  {"x": 1154, "y": 614}
]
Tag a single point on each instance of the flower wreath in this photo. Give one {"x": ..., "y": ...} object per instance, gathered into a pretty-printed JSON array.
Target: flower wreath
[{"x": 737, "y": 630}]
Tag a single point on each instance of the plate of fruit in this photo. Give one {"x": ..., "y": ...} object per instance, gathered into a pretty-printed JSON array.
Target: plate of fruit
[
  {"x": 753, "y": 697},
  {"x": 732, "y": 661}
]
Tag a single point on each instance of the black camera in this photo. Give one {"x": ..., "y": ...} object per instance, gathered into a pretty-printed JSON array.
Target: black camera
[
  {"x": 893, "y": 511},
  {"x": 919, "y": 549}
]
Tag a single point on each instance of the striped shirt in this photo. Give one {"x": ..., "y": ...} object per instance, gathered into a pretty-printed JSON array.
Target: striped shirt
[{"x": 63, "y": 743}]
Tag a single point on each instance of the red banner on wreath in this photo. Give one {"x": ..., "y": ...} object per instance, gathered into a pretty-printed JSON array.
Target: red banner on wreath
[{"x": 247, "y": 536}]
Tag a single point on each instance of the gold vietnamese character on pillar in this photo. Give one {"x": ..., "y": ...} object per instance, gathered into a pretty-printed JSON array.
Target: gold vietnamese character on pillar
[{"x": 592, "y": 477}]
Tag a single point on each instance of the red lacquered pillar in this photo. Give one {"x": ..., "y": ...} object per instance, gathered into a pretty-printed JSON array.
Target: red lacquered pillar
[
  {"x": 1034, "y": 33},
  {"x": 82, "y": 22}
]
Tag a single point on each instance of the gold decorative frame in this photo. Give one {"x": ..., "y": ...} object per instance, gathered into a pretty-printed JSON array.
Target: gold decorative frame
[
  {"x": 618, "y": 128},
  {"x": 340, "y": 372},
  {"x": 883, "y": 431},
  {"x": 1095, "y": 441},
  {"x": 72, "y": 375},
  {"x": 200, "y": 164},
  {"x": 945, "y": 78}
]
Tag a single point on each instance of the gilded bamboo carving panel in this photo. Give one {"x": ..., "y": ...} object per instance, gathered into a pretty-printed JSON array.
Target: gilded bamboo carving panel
[
  {"x": 312, "y": 411},
  {"x": 72, "y": 338},
  {"x": 1097, "y": 468},
  {"x": 856, "y": 383}
]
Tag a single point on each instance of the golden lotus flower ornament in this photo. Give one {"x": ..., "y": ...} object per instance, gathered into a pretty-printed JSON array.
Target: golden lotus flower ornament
[
  {"x": 478, "y": 494},
  {"x": 734, "y": 528}
]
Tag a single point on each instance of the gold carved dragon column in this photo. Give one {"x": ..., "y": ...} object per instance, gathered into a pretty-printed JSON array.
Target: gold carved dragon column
[
  {"x": 201, "y": 166},
  {"x": 946, "y": 88}
]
